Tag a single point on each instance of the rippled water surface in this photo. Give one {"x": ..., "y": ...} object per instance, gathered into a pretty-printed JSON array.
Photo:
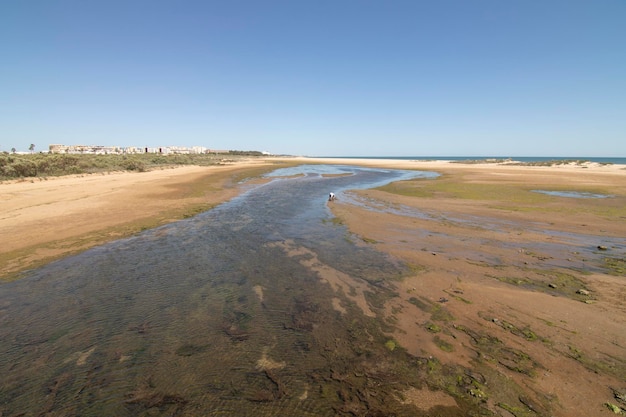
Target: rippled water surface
[{"x": 249, "y": 309}]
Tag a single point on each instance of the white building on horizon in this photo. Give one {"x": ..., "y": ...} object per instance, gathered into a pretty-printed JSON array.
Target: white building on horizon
[{"x": 105, "y": 150}]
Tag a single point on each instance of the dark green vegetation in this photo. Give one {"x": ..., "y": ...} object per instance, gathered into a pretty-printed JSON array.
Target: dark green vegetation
[{"x": 49, "y": 165}]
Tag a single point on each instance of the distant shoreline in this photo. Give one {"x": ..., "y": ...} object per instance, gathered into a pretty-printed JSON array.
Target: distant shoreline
[
  {"x": 462, "y": 164},
  {"x": 600, "y": 160}
]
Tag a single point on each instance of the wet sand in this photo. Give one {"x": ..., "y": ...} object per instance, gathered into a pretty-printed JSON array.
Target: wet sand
[
  {"x": 494, "y": 290},
  {"x": 488, "y": 291}
]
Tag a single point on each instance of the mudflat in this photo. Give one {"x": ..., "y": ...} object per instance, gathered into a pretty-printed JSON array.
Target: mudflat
[{"x": 523, "y": 289}]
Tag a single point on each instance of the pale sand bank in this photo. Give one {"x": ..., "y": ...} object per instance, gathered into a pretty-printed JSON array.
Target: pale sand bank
[{"x": 41, "y": 220}]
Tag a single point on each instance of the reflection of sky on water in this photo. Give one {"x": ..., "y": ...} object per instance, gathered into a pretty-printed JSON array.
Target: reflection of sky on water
[
  {"x": 311, "y": 170},
  {"x": 368, "y": 174},
  {"x": 572, "y": 194}
]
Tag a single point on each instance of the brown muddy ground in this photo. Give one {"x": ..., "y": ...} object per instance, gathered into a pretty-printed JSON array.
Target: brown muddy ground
[{"x": 498, "y": 288}]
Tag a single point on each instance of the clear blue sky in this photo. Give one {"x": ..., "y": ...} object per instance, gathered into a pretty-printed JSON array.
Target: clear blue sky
[{"x": 312, "y": 77}]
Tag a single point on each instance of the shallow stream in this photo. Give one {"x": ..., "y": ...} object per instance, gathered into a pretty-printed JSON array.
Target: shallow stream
[{"x": 227, "y": 313}]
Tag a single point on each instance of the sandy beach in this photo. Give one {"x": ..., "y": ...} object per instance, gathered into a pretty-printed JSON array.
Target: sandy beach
[
  {"x": 543, "y": 332},
  {"x": 45, "y": 219}
]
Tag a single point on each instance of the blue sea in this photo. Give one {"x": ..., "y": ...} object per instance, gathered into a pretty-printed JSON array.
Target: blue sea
[{"x": 600, "y": 160}]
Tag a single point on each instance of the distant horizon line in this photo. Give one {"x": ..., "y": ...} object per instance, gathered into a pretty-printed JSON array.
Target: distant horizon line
[{"x": 464, "y": 156}]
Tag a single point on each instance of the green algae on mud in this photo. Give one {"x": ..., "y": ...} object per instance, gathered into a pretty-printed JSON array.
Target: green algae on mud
[
  {"x": 516, "y": 197},
  {"x": 449, "y": 186},
  {"x": 553, "y": 281},
  {"x": 616, "y": 266},
  {"x": 535, "y": 243}
]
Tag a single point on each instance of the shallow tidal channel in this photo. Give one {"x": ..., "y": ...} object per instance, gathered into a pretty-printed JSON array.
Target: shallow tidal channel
[{"x": 261, "y": 306}]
